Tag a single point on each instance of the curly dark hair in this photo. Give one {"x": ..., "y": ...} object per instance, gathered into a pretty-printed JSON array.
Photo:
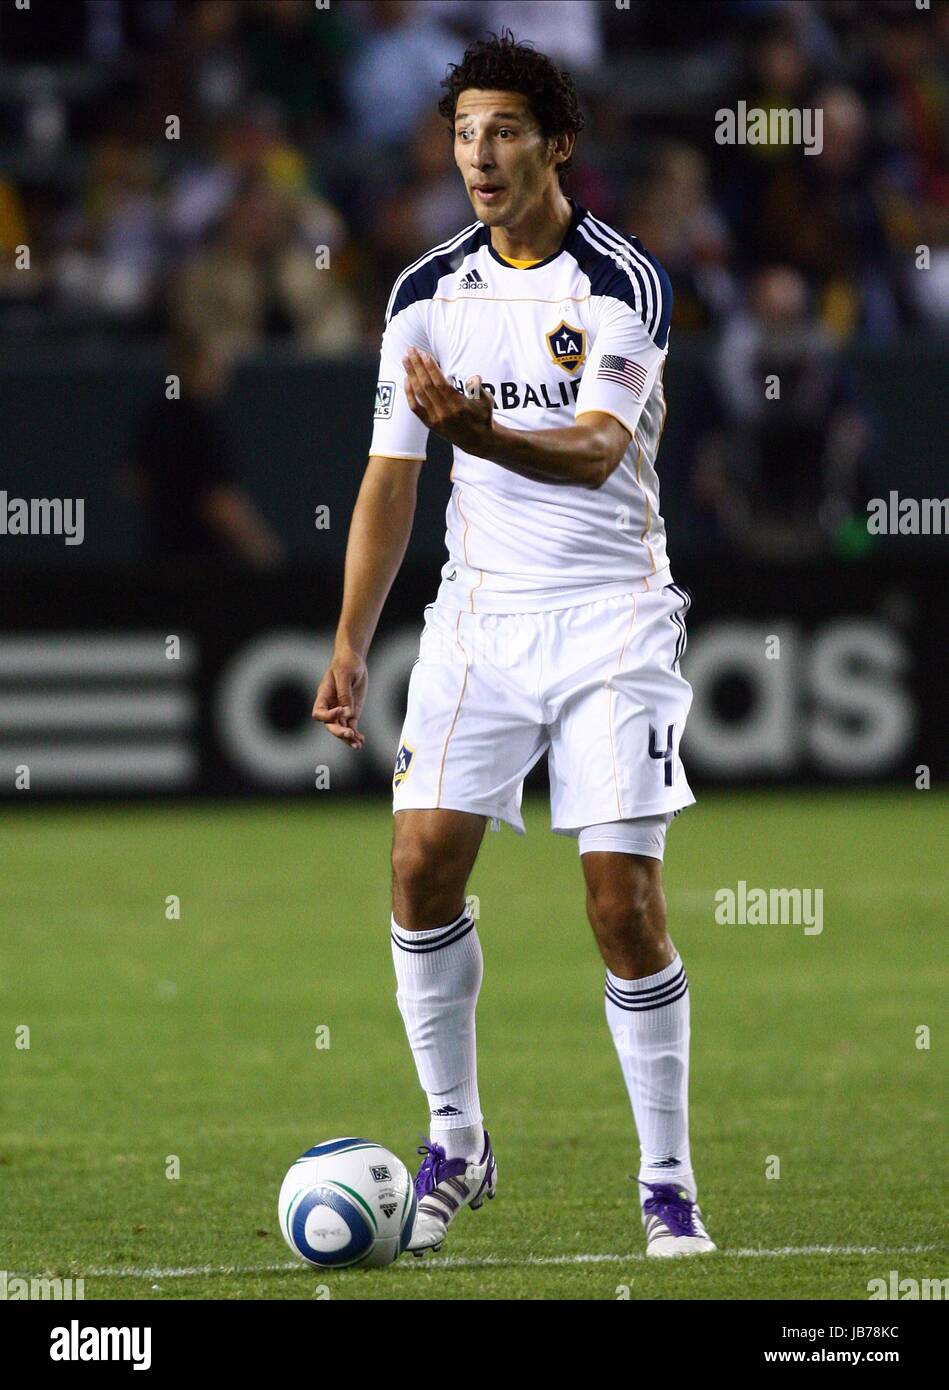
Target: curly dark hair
[{"x": 500, "y": 63}]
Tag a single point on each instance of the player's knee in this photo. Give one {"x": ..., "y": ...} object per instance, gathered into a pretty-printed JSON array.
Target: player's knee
[
  {"x": 422, "y": 873},
  {"x": 635, "y": 913}
]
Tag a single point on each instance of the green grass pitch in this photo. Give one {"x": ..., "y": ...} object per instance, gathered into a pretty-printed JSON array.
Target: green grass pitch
[{"x": 152, "y": 1037}]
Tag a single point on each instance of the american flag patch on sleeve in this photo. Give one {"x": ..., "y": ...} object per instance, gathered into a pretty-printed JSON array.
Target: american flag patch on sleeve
[{"x": 624, "y": 372}]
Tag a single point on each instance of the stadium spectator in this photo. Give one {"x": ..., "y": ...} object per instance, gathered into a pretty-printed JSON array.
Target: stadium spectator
[
  {"x": 253, "y": 143},
  {"x": 568, "y": 33},
  {"x": 436, "y": 195},
  {"x": 674, "y": 216},
  {"x": 295, "y": 55},
  {"x": 109, "y": 244},
  {"x": 425, "y": 206},
  {"x": 841, "y": 244},
  {"x": 907, "y": 88},
  {"x": 775, "y": 75},
  {"x": 393, "y": 75},
  {"x": 13, "y": 234},
  {"x": 788, "y": 467},
  {"x": 182, "y": 468},
  {"x": 202, "y": 74},
  {"x": 259, "y": 276},
  {"x": 333, "y": 110}
]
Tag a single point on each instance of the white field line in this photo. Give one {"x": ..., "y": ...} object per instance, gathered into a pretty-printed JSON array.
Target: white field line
[{"x": 431, "y": 1262}]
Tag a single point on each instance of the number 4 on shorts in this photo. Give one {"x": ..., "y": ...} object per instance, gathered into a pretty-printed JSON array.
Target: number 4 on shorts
[{"x": 664, "y": 753}]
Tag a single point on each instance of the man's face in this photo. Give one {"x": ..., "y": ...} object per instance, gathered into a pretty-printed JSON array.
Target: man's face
[{"x": 499, "y": 147}]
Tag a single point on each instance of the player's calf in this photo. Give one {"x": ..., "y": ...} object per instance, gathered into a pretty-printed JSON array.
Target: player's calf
[{"x": 626, "y": 908}]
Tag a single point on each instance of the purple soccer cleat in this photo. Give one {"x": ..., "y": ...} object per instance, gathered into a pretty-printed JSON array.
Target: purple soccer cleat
[
  {"x": 443, "y": 1186},
  {"x": 673, "y": 1222}
]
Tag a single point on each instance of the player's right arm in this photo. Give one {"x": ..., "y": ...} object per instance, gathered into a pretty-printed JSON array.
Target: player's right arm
[
  {"x": 378, "y": 536},
  {"x": 382, "y": 522}
]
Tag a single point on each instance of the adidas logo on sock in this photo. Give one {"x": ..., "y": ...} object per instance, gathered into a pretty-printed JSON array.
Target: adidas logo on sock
[
  {"x": 472, "y": 281},
  {"x": 665, "y": 1163},
  {"x": 445, "y": 1110}
]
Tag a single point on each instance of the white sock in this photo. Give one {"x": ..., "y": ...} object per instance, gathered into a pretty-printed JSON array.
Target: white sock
[
  {"x": 439, "y": 976},
  {"x": 466, "y": 1142},
  {"x": 649, "y": 1020}
]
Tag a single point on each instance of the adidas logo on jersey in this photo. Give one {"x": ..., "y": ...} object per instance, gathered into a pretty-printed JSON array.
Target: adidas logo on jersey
[{"x": 472, "y": 281}]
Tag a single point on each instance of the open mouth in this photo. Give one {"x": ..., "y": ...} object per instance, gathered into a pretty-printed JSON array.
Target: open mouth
[{"x": 488, "y": 192}]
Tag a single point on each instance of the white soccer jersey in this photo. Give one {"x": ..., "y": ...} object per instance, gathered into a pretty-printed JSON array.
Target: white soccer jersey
[{"x": 584, "y": 330}]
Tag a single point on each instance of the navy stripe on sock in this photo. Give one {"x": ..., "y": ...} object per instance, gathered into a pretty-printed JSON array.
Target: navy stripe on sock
[
  {"x": 455, "y": 931},
  {"x": 647, "y": 996},
  {"x": 645, "y": 993},
  {"x": 645, "y": 1008},
  {"x": 636, "y": 1001},
  {"x": 659, "y": 1004}
]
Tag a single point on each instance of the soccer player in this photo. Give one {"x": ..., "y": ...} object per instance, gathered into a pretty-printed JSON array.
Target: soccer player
[{"x": 534, "y": 341}]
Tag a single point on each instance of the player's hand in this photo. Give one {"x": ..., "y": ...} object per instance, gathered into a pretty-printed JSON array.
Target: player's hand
[
  {"x": 340, "y": 697},
  {"x": 464, "y": 420}
]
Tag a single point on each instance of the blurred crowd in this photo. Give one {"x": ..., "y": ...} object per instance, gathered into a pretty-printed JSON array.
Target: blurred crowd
[
  {"x": 175, "y": 164},
  {"x": 260, "y": 170}
]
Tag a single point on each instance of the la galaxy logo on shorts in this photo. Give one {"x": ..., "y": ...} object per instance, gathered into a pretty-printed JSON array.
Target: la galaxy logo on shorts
[
  {"x": 567, "y": 345},
  {"x": 403, "y": 761}
]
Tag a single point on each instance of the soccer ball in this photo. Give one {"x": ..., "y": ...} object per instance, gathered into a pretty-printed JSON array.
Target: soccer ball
[{"x": 347, "y": 1202}]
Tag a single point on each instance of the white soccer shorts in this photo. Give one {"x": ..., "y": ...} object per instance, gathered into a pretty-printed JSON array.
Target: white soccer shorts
[{"x": 598, "y": 685}]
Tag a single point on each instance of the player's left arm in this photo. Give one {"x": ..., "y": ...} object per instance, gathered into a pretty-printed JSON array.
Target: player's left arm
[
  {"x": 617, "y": 380},
  {"x": 582, "y": 454}
]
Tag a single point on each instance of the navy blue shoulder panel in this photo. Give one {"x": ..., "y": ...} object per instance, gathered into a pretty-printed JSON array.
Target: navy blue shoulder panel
[
  {"x": 636, "y": 277},
  {"x": 421, "y": 282}
]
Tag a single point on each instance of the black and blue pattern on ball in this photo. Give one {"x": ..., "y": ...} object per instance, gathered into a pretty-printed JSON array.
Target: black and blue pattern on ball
[
  {"x": 361, "y": 1234},
  {"x": 335, "y": 1146},
  {"x": 409, "y": 1225}
]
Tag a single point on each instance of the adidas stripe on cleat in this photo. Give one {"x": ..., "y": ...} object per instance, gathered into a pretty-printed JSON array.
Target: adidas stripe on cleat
[
  {"x": 673, "y": 1223},
  {"x": 443, "y": 1186}
]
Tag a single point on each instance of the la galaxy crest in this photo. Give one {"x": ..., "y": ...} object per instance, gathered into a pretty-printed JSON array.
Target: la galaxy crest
[
  {"x": 403, "y": 763},
  {"x": 567, "y": 345}
]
